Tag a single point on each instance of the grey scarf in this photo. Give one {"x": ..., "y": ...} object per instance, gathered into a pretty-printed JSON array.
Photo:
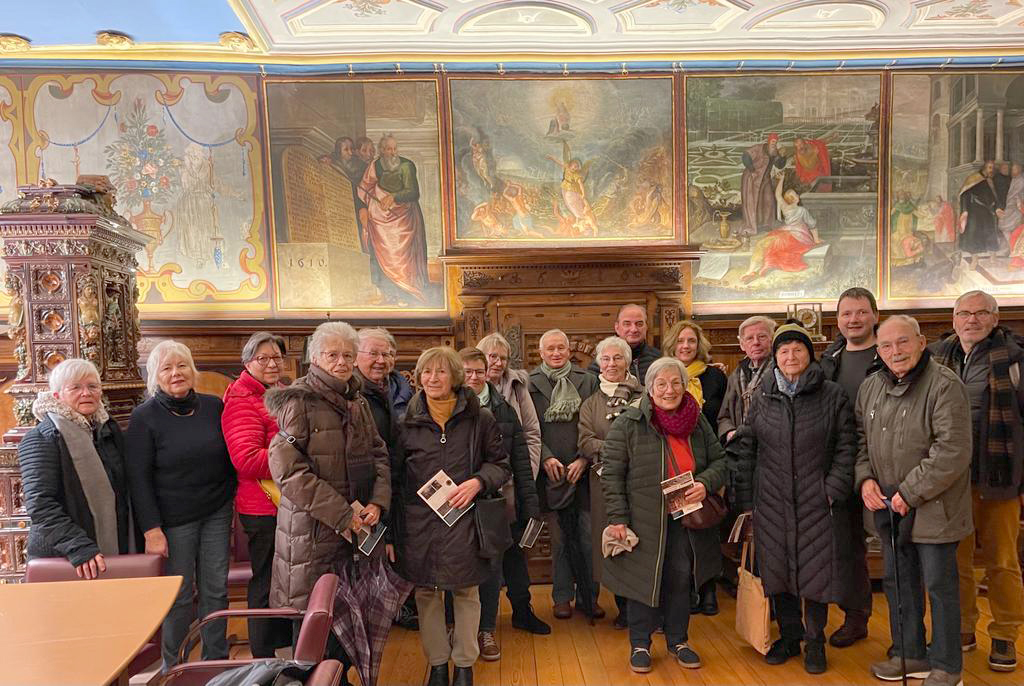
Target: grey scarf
[
  {"x": 565, "y": 399},
  {"x": 95, "y": 482}
]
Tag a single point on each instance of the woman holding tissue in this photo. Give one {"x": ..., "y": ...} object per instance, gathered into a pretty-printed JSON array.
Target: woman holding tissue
[
  {"x": 326, "y": 456},
  {"x": 666, "y": 436},
  {"x": 445, "y": 428},
  {"x": 794, "y": 460}
]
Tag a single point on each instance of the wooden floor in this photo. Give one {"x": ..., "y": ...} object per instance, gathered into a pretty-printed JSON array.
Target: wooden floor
[{"x": 576, "y": 654}]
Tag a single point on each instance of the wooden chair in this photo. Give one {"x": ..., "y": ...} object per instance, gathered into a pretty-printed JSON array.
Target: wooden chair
[
  {"x": 44, "y": 569},
  {"x": 317, "y": 620}
]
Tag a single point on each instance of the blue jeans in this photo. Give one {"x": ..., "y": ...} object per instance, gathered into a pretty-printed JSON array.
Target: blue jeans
[
  {"x": 930, "y": 566},
  {"x": 199, "y": 553},
  {"x": 563, "y": 585}
]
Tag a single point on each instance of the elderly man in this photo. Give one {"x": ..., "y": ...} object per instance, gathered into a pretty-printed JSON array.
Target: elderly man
[
  {"x": 631, "y": 325},
  {"x": 558, "y": 388},
  {"x": 755, "y": 336},
  {"x": 987, "y": 359},
  {"x": 914, "y": 459},
  {"x": 848, "y": 361}
]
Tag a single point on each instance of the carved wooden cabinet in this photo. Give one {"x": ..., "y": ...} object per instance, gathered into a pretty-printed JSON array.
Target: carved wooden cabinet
[{"x": 71, "y": 279}]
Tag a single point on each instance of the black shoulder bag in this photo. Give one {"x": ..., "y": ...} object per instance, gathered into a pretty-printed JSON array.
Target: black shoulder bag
[{"x": 489, "y": 515}]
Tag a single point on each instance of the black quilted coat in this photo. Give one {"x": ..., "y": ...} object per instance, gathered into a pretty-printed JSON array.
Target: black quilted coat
[{"x": 794, "y": 466}]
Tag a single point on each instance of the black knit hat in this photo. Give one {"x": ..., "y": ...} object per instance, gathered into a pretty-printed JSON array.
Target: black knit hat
[{"x": 792, "y": 331}]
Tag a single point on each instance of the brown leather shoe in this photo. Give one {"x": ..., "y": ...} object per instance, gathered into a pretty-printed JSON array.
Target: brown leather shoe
[
  {"x": 489, "y": 650},
  {"x": 848, "y": 634},
  {"x": 598, "y": 610},
  {"x": 563, "y": 611},
  {"x": 968, "y": 642}
]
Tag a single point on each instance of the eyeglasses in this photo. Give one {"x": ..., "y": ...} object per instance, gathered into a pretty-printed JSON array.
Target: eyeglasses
[
  {"x": 330, "y": 357},
  {"x": 980, "y": 314},
  {"x": 475, "y": 372},
  {"x": 92, "y": 388},
  {"x": 264, "y": 360},
  {"x": 376, "y": 355}
]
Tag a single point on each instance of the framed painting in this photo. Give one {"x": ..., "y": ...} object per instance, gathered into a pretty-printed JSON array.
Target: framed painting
[
  {"x": 355, "y": 170},
  {"x": 956, "y": 191},
  {"x": 782, "y": 187},
  {"x": 184, "y": 155},
  {"x": 556, "y": 162}
]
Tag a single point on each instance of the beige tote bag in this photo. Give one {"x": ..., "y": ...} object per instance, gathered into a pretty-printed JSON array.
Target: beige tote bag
[{"x": 753, "y": 613}]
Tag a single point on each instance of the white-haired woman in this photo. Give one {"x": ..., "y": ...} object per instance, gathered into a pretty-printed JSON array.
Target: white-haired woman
[
  {"x": 327, "y": 455},
  {"x": 514, "y": 386},
  {"x": 73, "y": 473},
  {"x": 182, "y": 486},
  {"x": 619, "y": 389},
  {"x": 667, "y": 435}
]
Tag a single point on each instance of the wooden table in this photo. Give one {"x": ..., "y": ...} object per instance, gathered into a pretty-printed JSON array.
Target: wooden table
[{"x": 78, "y": 632}]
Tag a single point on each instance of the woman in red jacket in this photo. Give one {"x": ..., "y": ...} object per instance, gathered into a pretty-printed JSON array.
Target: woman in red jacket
[{"x": 248, "y": 430}]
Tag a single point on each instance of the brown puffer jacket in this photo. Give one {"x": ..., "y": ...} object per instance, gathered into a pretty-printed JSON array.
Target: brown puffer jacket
[
  {"x": 432, "y": 554},
  {"x": 337, "y": 457}
]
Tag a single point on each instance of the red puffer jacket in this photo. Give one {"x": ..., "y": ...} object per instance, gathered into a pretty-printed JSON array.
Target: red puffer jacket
[{"x": 248, "y": 430}]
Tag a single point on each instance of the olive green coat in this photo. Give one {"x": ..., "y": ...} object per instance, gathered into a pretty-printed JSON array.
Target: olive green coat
[{"x": 635, "y": 461}]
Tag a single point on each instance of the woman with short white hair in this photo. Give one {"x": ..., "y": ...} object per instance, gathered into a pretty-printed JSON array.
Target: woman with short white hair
[
  {"x": 183, "y": 486},
  {"x": 73, "y": 473}
]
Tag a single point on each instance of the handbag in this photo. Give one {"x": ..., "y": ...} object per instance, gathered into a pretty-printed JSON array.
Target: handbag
[
  {"x": 271, "y": 490},
  {"x": 490, "y": 516},
  {"x": 753, "y": 612}
]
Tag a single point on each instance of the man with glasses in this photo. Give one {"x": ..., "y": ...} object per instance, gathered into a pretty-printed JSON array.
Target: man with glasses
[
  {"x": 374, "y": 361},
  {"x": 988, "y": 358}
]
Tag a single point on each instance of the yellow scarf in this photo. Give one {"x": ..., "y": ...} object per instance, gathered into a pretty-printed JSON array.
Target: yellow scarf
[
  {"x": 441, "y": 410},
  {"x": 693, "y": 387}
]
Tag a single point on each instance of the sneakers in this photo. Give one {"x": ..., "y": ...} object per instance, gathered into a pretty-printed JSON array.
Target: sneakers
[
  {"x": 563, "y": 610},
  {"x": 781, "y": 651},
  {"x": 489, "y": 650},
  {"x": 848, "y": 634},
  {"x": 968, "y": 642},
  {"x": 941, "y": 678},
  {"x": 890, "y": 669},
  {"x": 814, "y": 658},
  {"x": 1003, "y": 657},
  {"x": 640, "y": 660},
  {"x": 525, "y": 620},
  {"x": 686, "y": 656}
]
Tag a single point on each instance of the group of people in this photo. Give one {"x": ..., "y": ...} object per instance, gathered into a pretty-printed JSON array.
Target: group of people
[{"x": 929, "y": 439}]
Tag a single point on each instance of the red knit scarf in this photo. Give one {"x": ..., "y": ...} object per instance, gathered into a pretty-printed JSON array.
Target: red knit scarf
[{"x": 681, "y": 421}]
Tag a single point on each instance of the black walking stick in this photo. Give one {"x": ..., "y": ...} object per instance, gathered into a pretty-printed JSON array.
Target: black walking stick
[{"x": 894, "y": 519}]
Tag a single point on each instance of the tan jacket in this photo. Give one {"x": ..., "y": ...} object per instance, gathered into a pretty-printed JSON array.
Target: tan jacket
[
  {"x": 337, "y": 457},
  {"x": 917, "y": 436},
  {"x": 515, "y": 390},
  {"x": 596, "y": 419}
]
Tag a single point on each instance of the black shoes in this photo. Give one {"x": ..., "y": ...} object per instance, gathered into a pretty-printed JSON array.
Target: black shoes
[
  {"x": 814, "y": 658},
  {"x": 463, "y": 676},
  {"x": 438, "y": 675},
  {"x": 525, "y": 620},
  {"x": 705, "y": 602},
  {"x": 781, "y": 651}
]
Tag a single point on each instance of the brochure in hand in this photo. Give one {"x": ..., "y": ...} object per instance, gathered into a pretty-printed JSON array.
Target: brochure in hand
[
  {"x": 675, "y": 495},
  {"x": 368, "y": 536},
  {"x": 530, "y": 534},
  {"x": 436, "y": 492}
]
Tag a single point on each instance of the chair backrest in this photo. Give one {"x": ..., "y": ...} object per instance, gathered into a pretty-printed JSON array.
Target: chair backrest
[
  {"x": 316, "y": 625},
  {"x": 43, "y": 569},
  {"x": 327, "y": 673}
]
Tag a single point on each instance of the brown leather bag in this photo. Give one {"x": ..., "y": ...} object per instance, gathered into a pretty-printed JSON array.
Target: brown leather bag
[{"x": 709, "y": 515}]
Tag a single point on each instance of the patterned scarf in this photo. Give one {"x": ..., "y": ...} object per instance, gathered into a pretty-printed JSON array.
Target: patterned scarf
[
  {"x": 679, "y": 422},
  {"x": 565, "y": 399},
  {"x": 618, "y": 394},
  {"x": 1001, "y": 398}
]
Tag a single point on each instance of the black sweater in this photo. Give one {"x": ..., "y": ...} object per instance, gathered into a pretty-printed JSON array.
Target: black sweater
[{"x": 178, "y": 467}]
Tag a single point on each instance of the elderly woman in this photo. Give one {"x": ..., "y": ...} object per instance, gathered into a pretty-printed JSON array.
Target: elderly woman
[
  {"x": 664, "y": 437},
  {"x": 182, "y": 486},
  {"x": 446, "y": 428},
  {"x": 513, "y": 384},
  {"x": 326, "y": 456},
  {"x": 619, "y": 389},
  {"x": 794, "y": 466},
  {"x": 248, "y": 430},
  {"x": 73, "y": 473},
  {"x": 687, "y": 343}
]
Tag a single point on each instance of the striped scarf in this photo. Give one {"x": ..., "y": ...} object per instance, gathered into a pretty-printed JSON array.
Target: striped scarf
[{"x": 999, "y": 449}]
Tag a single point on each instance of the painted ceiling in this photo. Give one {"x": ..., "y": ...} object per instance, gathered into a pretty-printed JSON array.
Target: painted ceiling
[{"x": 392, "y": 29}]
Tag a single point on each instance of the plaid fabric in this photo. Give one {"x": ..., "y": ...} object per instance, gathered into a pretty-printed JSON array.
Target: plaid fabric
[
  {"x": 369, "y": 595},
  {"x": 999, "y": 448}
]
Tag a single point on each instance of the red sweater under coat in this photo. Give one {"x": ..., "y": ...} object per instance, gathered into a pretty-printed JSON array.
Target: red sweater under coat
[{"x": 248, "y": 430}]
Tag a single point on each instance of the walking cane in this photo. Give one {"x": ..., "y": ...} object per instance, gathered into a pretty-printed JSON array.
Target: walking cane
[{"x": 899, "y": 591}]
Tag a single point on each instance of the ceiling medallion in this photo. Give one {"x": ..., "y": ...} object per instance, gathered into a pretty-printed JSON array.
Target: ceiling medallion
[
  {"x": 114, "y": 39},
  {"x": 12, "y": 42},
  {"x": 238, "y": 41}
]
